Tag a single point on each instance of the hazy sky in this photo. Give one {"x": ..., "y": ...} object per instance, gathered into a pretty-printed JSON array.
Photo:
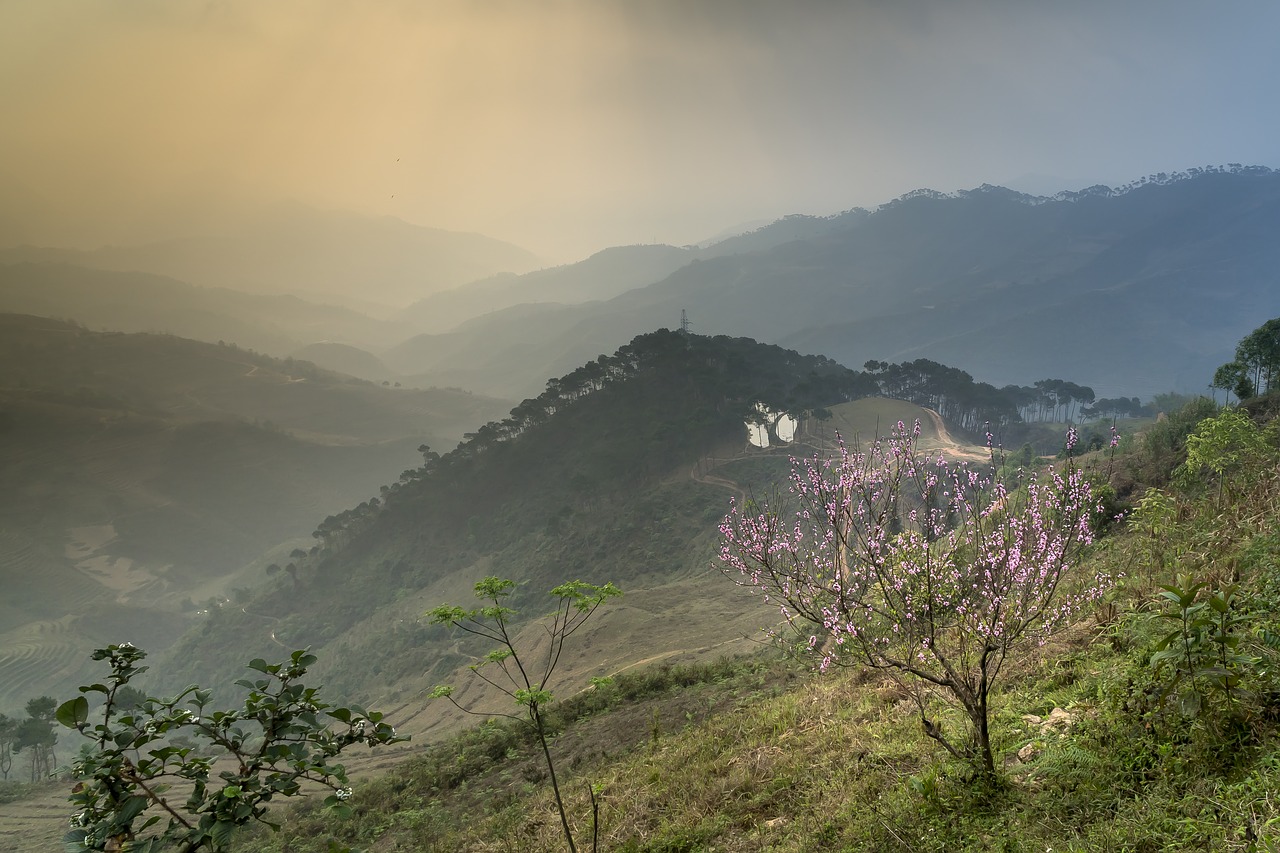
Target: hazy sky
[{"x": 568, "y": 125}]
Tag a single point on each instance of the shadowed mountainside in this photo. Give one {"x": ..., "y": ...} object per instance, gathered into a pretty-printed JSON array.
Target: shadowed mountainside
[
  {"x": 144, "y": 470},
  {"x": 1136, "y": 290}
]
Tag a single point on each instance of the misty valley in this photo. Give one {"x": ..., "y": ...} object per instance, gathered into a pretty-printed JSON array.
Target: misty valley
[{"x": 946, "y": 525}]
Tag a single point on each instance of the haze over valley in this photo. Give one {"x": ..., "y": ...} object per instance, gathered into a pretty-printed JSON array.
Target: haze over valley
[{"x": 312, "y": 317}]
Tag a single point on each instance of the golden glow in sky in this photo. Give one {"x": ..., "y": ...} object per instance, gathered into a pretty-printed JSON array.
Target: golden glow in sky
[{"x": 568, "y": 126}]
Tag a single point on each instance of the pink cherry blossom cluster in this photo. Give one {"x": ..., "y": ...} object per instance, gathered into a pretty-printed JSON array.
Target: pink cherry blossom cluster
[{"x": 901, "y": 560}]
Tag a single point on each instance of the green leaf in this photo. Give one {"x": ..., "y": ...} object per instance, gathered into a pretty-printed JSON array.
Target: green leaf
[
  {"x": 220, "y": 835},
  {"x": 495, "y": 588},
  {"x": 533, "y": 697},
  {"x": 132, "y": 807},
  {"x": 73, "y": 841},
  {"x": 1165, "y": 642},
  {"x": 74, "y": 713}
]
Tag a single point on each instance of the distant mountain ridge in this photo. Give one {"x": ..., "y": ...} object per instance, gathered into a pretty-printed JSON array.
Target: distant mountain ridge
[
  {"x": 335, "y": 256},
  {"x": 603, "y": 275},
  {"x": 146, "y": 302},
  {"x": 1133, "y": 291}
]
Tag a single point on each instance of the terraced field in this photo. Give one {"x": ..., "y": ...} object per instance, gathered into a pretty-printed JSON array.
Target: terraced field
[
  {"x": 34, "y": 575},
  {"x": 36, "y": 655}
]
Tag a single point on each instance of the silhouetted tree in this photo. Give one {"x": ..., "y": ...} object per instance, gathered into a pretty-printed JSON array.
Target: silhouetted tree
[
  {"x": 8, "y": 733},
  {"x": 36, "y": 734}
]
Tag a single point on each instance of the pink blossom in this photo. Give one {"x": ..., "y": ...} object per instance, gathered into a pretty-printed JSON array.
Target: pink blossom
[{"x": 934, "y": 569}]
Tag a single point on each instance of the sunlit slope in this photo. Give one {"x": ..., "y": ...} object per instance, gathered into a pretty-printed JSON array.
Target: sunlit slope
[
  {"x": 142, "y": 472},
  {"x": 865, "y": 419}
]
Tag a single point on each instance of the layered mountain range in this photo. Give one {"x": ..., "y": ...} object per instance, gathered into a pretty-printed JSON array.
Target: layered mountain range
[{"x": 1135, "y": 291}]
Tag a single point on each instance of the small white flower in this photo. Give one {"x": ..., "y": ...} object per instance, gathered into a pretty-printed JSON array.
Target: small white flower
[{"x": 343, "y": 794}]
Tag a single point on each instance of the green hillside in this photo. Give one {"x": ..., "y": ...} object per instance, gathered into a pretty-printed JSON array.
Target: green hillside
[
  {"x": 704, "y": 739},
  {"x": 1102, "y": 746},
  {"x": 620, "y": 471}
]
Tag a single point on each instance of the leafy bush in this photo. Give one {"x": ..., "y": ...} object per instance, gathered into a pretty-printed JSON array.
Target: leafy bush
[{"x": 280, "y": 739}]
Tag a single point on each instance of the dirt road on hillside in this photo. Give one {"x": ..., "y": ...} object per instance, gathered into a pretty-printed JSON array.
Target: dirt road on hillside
[
  {"x": 703, "y": 470},
  {"x": 950, "y": 446}
]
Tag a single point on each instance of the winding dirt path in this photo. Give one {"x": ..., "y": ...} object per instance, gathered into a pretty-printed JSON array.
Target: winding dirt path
[
  {"x": 949, "y": 445},
  {"x": 272, "y": 632},
  {"x": 710, "y": 479}
]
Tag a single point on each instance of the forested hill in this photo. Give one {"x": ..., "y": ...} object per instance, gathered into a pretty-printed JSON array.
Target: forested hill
[
  {"x": 590, "y": 480},
  {"x": 619, "y": 471}
]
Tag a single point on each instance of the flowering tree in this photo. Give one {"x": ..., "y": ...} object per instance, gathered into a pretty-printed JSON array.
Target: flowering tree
[
  {"x": 929, "y": 570},
  {"x": 283, "y": 736}
]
